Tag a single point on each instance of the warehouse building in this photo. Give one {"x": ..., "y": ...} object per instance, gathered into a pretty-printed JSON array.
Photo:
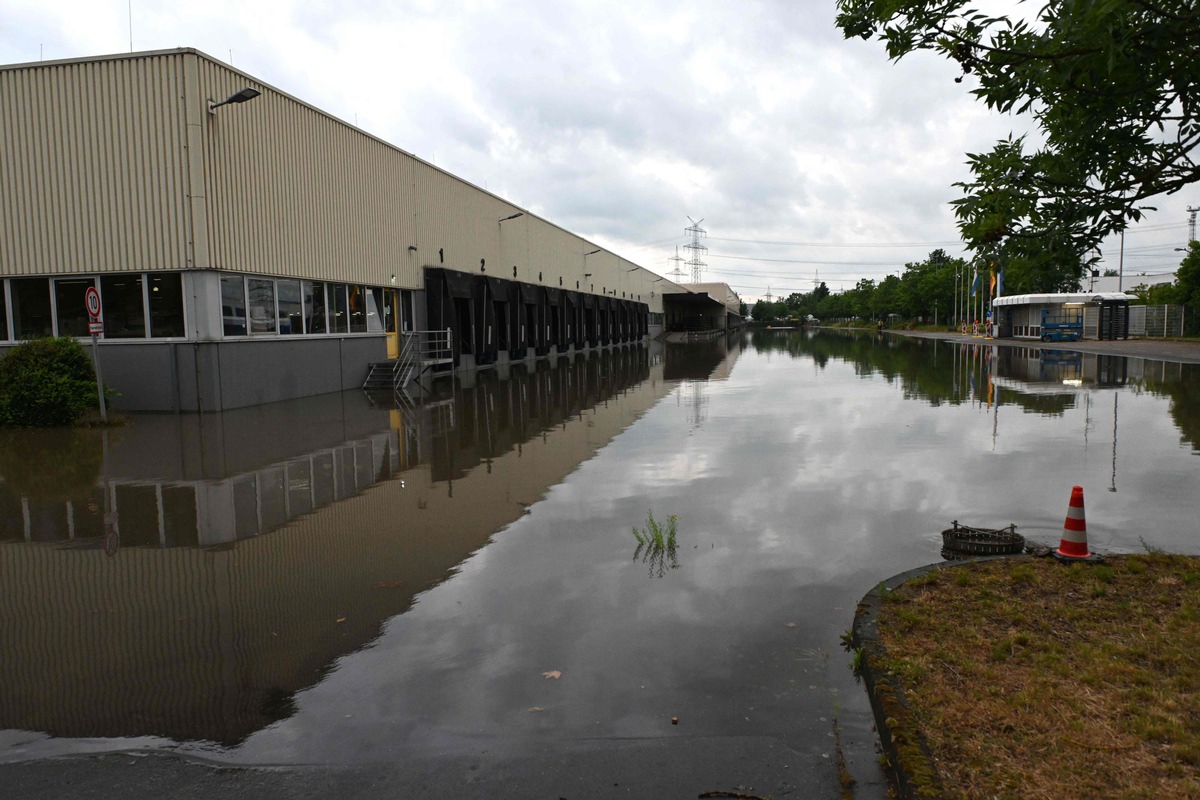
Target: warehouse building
[{"x": 250, "y": 248}]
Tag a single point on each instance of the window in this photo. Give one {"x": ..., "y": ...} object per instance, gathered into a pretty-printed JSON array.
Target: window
[
  {"x": 3, "y": 313},
  {"x": 166, "y": 305},
  {"x": 341, "y": 314},
  {"x": 358, "y": 310},
  {"x": 31, "y": 308},
  {"x": 71, "y": 307},
  {"x": 374, "y": 298},
  {"x": 291, "y": 309},
  {"x": 314, "y": 308},
  {"x": 262, "y": 305},
  {"x": 124, "y": 314},
  {"x": 233, "y": 305}
]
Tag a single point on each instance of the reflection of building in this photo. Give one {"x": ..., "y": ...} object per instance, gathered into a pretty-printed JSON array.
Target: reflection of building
[
  {"x": 256, "y": 249},
  {"x": 212, "y": 642}
]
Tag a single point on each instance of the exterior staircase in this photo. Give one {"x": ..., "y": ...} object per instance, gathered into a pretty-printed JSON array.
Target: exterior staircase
[{"x": 420, "y": 353}]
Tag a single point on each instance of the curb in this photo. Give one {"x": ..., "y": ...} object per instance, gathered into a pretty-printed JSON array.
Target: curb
[{"x": 909, "y": 763}]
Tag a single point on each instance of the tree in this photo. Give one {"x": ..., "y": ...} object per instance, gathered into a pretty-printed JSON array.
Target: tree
[
  {"x": 1112, "y": 85},
  {"x": 1187, "y": 279}
]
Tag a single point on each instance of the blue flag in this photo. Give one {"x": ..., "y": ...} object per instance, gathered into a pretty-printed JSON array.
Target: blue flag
[
  {"x": 975, "y": 283},
  {"x": 1000, "y": 283}
]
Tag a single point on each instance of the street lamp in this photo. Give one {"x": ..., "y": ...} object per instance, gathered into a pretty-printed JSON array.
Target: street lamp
[{"x": 239, "y": 97}]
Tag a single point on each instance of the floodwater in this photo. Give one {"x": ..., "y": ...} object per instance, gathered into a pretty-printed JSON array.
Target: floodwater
[{"x": 341, "y": 580}]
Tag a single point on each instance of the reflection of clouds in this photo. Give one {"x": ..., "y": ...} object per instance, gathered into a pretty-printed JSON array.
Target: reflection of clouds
[{"x": 793, "y": 501}]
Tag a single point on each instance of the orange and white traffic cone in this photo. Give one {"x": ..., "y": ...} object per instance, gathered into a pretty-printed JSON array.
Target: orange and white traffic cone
[{"x": 1074, "y": 538}]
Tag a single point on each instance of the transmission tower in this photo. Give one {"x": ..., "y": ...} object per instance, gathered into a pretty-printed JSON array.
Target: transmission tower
[
  {"x": 696, "y": 249},
  {"x": 676, "y": 273},
  {"x": 769, "y": 297},
  {"x": 1192, "y": 223}
]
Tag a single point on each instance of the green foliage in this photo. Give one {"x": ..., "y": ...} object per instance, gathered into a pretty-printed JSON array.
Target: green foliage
[
  {"x": 46, "y": 382},
  {"x": 1111, "y": 86},
  {"x": 1187, "y": 278}
]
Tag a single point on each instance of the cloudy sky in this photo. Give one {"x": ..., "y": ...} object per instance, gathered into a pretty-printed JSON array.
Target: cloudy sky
[{"x": 806, "y": 156}]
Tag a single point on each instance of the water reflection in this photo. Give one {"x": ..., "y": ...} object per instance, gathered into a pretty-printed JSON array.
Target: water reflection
[
  {"x": 816, "y": 467},
  {"x": 1038, "y": 381},
  {"x": 259, "y": 546}
]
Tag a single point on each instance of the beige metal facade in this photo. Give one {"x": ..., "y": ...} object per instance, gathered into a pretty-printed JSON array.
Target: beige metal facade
[{"x": 116, "y": 164}]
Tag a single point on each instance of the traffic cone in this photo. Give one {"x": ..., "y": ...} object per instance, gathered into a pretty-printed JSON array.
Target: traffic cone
[{"x": 1074, "y": 538}]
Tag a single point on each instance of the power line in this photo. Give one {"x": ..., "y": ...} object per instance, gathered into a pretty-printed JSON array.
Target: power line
[
  {"x": 807, "y": 261},
  {"x": 837, "y": 244}
]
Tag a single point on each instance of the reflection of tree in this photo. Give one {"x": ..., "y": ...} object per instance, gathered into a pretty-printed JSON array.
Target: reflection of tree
[
  {"x": 51, "y": 465},
  {"x": 1181, "y": 384},
  {"x": 911, "y": 361}
]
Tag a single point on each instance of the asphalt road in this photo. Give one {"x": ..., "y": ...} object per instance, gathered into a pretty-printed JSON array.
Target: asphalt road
[{"x": 653, "y": 768}]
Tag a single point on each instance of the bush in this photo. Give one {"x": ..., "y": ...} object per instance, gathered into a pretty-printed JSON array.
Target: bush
[{"x": 46, "y": 382}]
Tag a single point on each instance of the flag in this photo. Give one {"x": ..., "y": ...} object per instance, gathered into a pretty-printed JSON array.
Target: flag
[
  {"x": 992, "y": 283},
  {"x": 975, "y": 283},
  {"x": 1000, "y": 283}
]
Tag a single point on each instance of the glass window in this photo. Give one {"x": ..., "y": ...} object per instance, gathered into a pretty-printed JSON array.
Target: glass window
[
  {"x": 341, "y": 314},
  {"x": 314, "y": 308},
  {"x": 407, "y": 316},
  {"x": 374, "y": 297},
  {"x": 358, "y": 309},
  {"x": 166, "y": 305},
  {"x": 233, "y": 305},
  {"x": 389, "y": 311},
  {"x": 124, "y": 314},
  {"x": 3, "y": 313},
  {"x": 291, "y": 310},
  {"x": 71, "y": 307},
  {"x": 261, "y": 292}
]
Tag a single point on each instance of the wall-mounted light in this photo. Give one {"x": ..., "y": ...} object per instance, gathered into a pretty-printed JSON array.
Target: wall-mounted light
[
  {"x": 239, "y": 97},
  {"x": 393, "y": 280},
  {"x": 412, "y": 248},
  {"x": 510, "y": 216}
]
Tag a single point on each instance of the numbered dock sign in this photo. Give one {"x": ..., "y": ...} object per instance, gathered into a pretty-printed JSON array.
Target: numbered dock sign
[{"x": 92, "y": 300}]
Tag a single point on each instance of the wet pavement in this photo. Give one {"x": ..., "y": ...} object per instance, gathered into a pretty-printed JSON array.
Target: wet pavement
[{"x": 341, "y": 595}]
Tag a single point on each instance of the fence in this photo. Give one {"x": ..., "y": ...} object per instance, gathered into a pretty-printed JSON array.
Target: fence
[{"x": 1156, "y": 321}]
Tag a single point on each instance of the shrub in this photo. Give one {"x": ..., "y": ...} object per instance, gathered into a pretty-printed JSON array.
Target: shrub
[{"x": 46, "y": 382}]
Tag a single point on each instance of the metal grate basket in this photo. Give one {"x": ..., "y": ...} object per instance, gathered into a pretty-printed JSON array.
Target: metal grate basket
[{"x": 965, "y": 540}]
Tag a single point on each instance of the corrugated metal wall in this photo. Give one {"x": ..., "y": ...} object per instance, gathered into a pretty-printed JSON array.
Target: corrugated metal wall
[
  {"x": 293, "y": 191},
  {"x": 109, "y": 162},
  {"x": 93, "y": 167}
]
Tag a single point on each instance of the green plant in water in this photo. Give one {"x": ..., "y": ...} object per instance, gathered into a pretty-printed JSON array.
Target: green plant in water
[{"x": 657, "y": 544}]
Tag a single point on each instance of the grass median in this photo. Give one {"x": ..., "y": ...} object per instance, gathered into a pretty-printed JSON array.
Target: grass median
[{"x": 1029, "y": 678}]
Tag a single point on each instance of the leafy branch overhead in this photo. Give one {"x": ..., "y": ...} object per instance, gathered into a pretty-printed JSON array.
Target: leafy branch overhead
[{"x": 1113, "y": 86}]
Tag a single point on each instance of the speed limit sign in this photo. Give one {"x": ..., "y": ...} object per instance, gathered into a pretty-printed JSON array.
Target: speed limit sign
[{"x": 92, "y": 299}]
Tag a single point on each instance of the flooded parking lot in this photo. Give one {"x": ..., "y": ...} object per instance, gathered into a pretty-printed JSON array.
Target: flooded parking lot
[{"x": 344, "y": 580}]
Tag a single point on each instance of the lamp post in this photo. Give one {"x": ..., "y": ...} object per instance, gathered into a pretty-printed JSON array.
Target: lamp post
[{"x": 238, "y": 97}]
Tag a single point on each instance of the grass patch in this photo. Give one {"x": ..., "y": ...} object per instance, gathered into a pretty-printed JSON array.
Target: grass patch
[
  {"x": 1030, "y": 678},
  {"x": 657, "y": 544}
]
